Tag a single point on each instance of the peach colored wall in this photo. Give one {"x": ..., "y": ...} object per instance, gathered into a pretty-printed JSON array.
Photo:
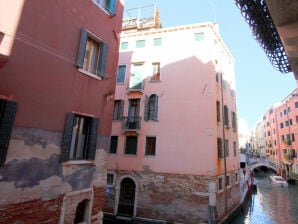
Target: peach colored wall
[{"x": 187, "y": 129}]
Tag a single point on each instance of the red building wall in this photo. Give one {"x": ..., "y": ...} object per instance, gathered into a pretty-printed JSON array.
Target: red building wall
[{"x": 41, "y": 76}]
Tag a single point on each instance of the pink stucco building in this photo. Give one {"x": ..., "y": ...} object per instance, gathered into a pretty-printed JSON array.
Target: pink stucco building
[{"x": 174, "y": 131}]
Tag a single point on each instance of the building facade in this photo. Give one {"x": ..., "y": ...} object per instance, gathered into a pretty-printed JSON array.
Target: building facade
[
  {"x": 174, "y": 145},
  {"x": 280, "y": 131},
  {"x": 58, "y": 71}
]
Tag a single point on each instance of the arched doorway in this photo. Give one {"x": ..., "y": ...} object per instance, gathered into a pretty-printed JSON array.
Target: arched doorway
[
  {"x": 127, "y": 197},
  {"x": 82, "y": 212}
]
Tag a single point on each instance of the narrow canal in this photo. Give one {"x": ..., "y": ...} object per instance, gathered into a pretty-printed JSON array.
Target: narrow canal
[{"x": 271, "y": 204}]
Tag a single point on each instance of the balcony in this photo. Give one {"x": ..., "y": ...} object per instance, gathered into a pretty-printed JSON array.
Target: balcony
[
  {"x": 136, "y": 87},
  {"x": 131, "y": 123}
]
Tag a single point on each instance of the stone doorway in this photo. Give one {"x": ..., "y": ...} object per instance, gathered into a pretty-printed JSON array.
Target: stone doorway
[{"x": 127, "y": 197}]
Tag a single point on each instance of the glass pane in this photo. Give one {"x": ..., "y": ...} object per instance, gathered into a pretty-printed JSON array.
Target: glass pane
[
  {"x": 157, "y": 42},
  {"x": 121, "y": 73},
  {"x": 124, "y": 46},
  {"x": 140, "y": 43},
  {"x": 199, "y": 36}
]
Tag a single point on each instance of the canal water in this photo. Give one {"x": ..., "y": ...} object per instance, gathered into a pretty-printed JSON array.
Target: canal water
[{"x": 270, "y": 204}]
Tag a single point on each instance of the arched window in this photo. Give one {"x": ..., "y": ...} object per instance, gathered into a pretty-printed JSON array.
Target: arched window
[{"x": 151, "y": 107}]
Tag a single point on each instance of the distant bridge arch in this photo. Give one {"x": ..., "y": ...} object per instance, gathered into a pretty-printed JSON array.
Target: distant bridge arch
[{"x": 260, "y": 164}]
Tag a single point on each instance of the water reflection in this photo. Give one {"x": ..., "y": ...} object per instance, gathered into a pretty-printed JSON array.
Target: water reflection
[{"x": 271, "y": 204}]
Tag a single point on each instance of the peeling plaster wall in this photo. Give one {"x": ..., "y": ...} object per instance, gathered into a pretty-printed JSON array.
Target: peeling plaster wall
[
  {"x": 172, "y": 197},
  {"x": 33, "y": 170}
]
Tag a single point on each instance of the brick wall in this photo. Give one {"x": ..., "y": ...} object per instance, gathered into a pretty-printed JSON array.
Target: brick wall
[{"x": 32, "y": 212}]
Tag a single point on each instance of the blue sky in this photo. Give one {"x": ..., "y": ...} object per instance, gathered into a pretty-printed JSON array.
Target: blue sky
[{"x": 258, "y": 84}]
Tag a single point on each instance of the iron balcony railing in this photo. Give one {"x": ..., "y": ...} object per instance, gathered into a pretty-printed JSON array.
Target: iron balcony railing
[
  {"x": 131, "y": 123},
  {"x": 136, "y": 87}
]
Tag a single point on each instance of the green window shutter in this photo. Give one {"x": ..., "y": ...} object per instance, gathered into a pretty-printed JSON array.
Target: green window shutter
[
  {"x": 146, "y": 108},
  {"x": 8, "y": 111},
  {"x": 82, "y": 48},
  {"x": 121, "y": 109},
  {"x": 92, "y": 139},
  {"x": 156, "y": 108},
  {"x": 102, "y": 61},
  {"x": 66, "y": 139}
]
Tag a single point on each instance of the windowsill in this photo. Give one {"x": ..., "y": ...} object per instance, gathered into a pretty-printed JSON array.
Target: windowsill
[
  {"x": 120, "y": 83},
  {"x": 154, "y": 81},
  {"x": 78, "y": 162},
  {"x": 150, "y": 156},
  {"x": 89, "y": 74}
]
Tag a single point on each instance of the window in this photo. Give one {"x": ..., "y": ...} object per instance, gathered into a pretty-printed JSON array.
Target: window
[
  {"x": 218, "y": 111},
  {"x": 226, "y": 115},
  {"x": 293, "y": 137},
  {"x": 151, "y": 108},
  {"x": 79, "y": 138},
  {"x": 150, "y": 146},
  {"x": 226, "y": 148},
  {"x": 157, "y": 42},
  {"x": 92, "y": 54},
  {"x": 296, "y": 104},
  {"x": 155, "y": 71},
  {"x": 282, "y": 138},
  {"x": 228, "y": 180},
  {"x": 234, "y": 120},
  {"x": 269, "y": 133},
  {"x": 285, "y": 112},
  {"x": 281, "y": 125},
  {"x": 220, "y": 185},
  {"x": 107, "y": 5},
  {"x": 131, "y": 145},
  {"x": 113, "y": 144},
  {"x": 290, "y": 122},
  {"x": 199, "y": 36},
  {"x": 110, "y": 179},
  {"x": 121, "y": 73},
  {"x": 217, "y": 77},
  {"x": 280, "y": 114},
  {"x": 289, "y": 109},
  {"x": 124, "y": 46},
  {"x": 236, "y": 177},
  {"x": 118, "y": 109},
  {"x": 8, "y": 111},
  {"x": 235, "y": 148},
  {"x": 140, "y": 43},
  {"x": 219, "y": 148},
  {"x": 286, "y": 123}
]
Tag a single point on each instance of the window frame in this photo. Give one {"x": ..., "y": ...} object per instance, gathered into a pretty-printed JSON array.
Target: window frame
[
  {"x": 102, "y": 56},
  {"x": 152, "y": 150},
  {"x": 110, "y": 172},
  {"x": 108, "y": 8},
  {"x": 113, "y": 144},
  {"x": 8, "y": 110},
  {"x": 134, "y": 151},
  {"x": 118, "y": 110},
  {"x": 90, "y": 141},
  {"x": 124, "y": 75},
  {"x": 151, "y": 109},
  {"x": 155, "y": 76}
]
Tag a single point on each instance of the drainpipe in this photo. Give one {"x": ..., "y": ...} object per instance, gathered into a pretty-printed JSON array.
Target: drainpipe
[{"x": 224, "y": 142}]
